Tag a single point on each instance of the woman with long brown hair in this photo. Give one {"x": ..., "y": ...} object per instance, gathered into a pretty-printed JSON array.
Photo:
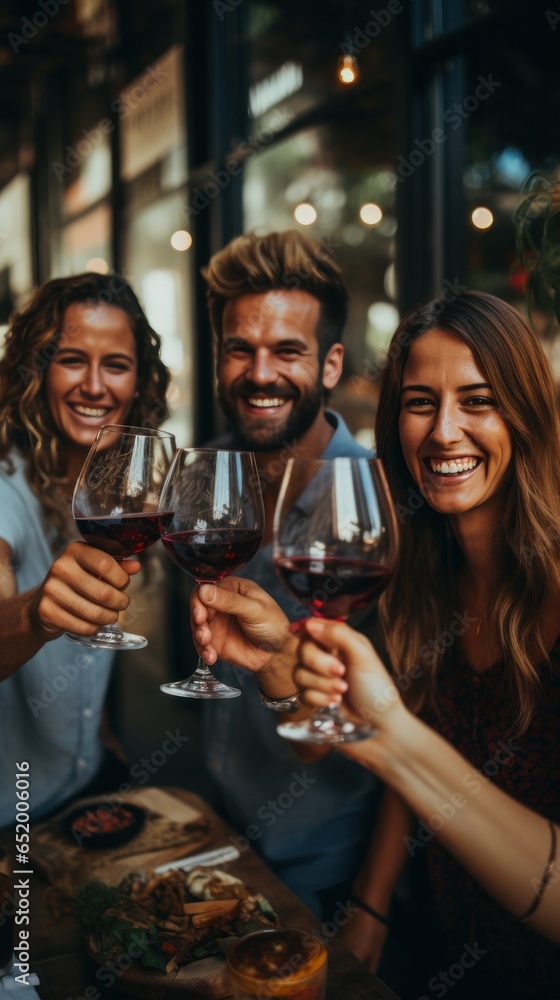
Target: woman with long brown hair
[
  {"x": 468, "y": 718},
  {"x": 80, "y": 355}
]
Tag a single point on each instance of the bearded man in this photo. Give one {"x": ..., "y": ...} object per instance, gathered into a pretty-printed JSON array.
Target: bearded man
[{"x": 278, "y": 306}]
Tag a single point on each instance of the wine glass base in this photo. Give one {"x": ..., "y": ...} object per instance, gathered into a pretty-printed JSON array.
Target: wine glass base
[
  {"x": 108, "y": 640},
  {"x": 324, "y": 730},
  {"x": 209, "y": 689}
]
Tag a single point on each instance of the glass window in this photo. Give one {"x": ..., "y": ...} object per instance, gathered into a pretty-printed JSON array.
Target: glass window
[
  {"x": 433, "y": 18},
  {"x": 160, "y": 273},
  {"x": 511, "y": 132},
  {"x": 334, "y": 178},
  {"x": 86, "y": 243}
]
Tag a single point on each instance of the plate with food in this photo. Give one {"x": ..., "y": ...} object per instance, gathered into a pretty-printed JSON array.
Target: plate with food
[
  {"x": 170, "y": 931},
  {"x": 98, "y": 825},
  {"x": 109, "y": 837}
]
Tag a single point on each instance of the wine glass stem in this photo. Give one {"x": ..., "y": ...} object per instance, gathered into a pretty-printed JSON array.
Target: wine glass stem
[
  {"x": 334, "y": 712},
  {"x": 203, "y": 671},
  {"x": 113, "y": 631}
]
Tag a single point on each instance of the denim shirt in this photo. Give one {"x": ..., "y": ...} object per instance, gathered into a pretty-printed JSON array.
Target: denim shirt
[
  {"x": 50, "y": 709},
  {"x": 310, "y": 822}
]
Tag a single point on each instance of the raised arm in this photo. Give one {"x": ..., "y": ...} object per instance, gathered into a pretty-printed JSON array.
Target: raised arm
[
  {"x": 239, "y": 622},
  {"x": 82, "y": 590},
  {"x": 504, "y": 845}
]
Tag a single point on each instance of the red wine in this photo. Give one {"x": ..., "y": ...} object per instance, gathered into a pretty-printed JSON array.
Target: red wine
[
  {"x": 213, "y": 553},
  {"x": 122, "y": 535},
  {"x": 333, "y": 587}
]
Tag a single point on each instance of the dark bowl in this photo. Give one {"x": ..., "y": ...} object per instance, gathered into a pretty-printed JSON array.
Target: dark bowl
[{"x": 104, "y": 825}]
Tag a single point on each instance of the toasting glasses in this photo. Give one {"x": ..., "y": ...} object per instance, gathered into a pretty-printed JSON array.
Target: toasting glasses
[
  {"x": 115, "y": 505},
  {"x": 335, "y": 550},
  {"x": 215, "y": 529}
]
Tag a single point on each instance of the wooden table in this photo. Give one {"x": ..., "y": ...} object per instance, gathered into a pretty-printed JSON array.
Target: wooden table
[{"x": 66, "y": 973}]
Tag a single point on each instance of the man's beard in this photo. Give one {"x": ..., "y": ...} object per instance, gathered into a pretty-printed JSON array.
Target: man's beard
[{"x": 261, "y": 437}]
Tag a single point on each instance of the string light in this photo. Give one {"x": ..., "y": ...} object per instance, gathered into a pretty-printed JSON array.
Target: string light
[{"x": 347, "y": 69}]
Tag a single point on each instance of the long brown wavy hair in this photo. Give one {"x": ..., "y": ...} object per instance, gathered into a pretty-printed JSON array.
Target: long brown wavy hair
[
  {"x": 417, "y": 610},
  {"x": 31, "y": 343}
]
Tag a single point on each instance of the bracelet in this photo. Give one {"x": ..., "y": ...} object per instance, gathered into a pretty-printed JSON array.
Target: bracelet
[
  {"x": 548, "y": 870},
  {"x": 369, "y": 909},
  {"x": 290, "y": 705}
]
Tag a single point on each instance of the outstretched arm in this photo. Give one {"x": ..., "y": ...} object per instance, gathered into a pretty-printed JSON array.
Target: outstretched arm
[
  {"x": 82, "y": 590},
  {"x": 504, "y": 845},
  {"x": 364, "y": 933}
]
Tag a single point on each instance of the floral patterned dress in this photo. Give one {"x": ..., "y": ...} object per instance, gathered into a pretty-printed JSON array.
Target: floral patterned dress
[{"x": 489, "y": 952}]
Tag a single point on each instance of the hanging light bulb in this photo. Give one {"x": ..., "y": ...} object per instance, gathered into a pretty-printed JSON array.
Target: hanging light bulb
[{"x": 348, "y": 69}]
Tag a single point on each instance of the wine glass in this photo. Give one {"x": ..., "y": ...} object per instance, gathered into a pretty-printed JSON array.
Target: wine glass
[
  {"x": 215, "y": 529},
  {"x": 335, "y": 550},
  {"x": 115, "y": 505}
]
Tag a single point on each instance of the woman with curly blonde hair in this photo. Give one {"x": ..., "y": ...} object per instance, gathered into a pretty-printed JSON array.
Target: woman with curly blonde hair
[{"x": 80, "y": 355}]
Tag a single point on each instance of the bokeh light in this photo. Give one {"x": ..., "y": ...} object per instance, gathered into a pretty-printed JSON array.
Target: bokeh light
[
  {"x": 305, "y": 214},
  {"x": 482, "y": 218},
  {"x": 371, "y": 214},
  {"x": 181, "y": 240},
  {"x": 97, "y": 265}
]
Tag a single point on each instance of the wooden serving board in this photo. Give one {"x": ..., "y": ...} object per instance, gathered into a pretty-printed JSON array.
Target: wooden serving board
[
  {"x": 207, "y": 978},
  {"x": 66, "y": 864}
]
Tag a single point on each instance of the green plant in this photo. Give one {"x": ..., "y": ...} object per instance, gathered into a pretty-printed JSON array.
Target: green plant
[{"x": 537, "y": 233}]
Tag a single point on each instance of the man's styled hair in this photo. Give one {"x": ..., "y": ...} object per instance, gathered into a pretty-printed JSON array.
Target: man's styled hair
[{"x": 253, "y": 264}]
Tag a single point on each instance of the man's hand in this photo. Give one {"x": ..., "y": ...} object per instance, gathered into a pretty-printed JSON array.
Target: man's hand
[
  {"x": 239, "y": 622},
  {"x": 82, "y": 590}
]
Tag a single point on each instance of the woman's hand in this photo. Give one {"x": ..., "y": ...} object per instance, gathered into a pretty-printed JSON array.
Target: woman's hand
[
  {"x": 83, "y": 589},
  {"x": 239, "y": 622},
  {"x": 338, "y": 663},
  {"x": 365, "y": 937}
]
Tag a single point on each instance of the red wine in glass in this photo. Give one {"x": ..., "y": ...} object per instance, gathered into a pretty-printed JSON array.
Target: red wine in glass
[
  {"x": 215, "y": 529},
  {"x": 123, "y": 535},
  {"x": 335, "y": 551},
  {"x": 116, "y": 505},
  {"x": 333, "y": 587},
  {"x": 209, "y": 556}
]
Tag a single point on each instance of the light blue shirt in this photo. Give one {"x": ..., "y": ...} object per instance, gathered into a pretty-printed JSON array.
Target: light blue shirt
[
  {"x": 310, "y": 822},
  {"x": 50, "y": 709}
]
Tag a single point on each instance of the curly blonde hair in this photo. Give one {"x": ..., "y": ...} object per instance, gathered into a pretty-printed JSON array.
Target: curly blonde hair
[{"x": 31, "y": 343}]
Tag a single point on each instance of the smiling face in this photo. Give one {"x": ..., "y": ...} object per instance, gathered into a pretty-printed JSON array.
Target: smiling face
[
  {"x": 455, "y": 441},
  {"x": 92, "y": 379},
  {"x": 270, "y": 380}
]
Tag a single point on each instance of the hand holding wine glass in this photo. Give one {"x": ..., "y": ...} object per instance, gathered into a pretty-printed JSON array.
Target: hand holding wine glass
[
  {"x": 335, "y": 550},
  {"x": 215, "y": 529},
  {"x": 115, "y": 505}
]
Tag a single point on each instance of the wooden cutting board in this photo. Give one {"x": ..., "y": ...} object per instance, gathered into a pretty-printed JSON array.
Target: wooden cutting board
[
  {"x": 169, "y": 820},
  {"x": 206, "y": 979}
]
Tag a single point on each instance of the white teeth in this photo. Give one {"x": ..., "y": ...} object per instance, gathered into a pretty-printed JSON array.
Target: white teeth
[
  {"x": 454, "y": 466},
  {"x": 89, "y": 411},
  {"x": 262, "y": 403}
]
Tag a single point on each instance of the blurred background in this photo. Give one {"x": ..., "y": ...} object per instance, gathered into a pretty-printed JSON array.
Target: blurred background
[{"x": 141, "y": 137}]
